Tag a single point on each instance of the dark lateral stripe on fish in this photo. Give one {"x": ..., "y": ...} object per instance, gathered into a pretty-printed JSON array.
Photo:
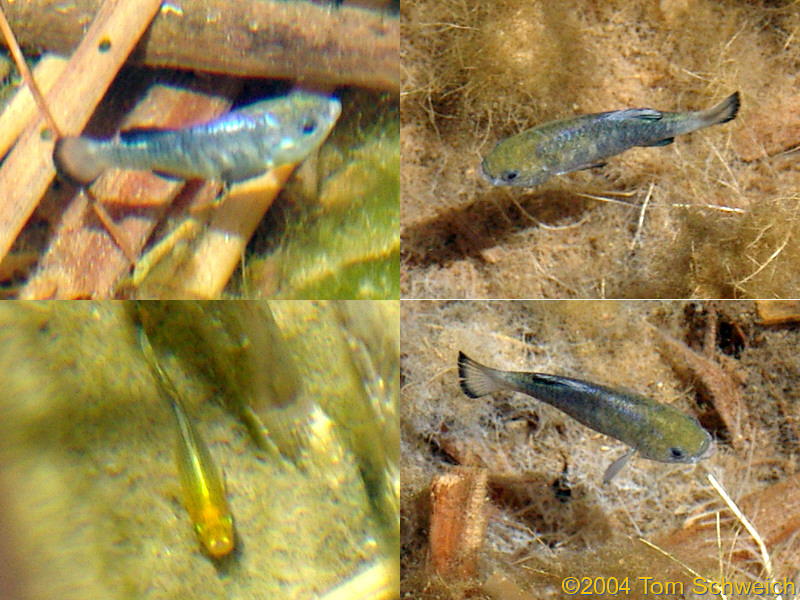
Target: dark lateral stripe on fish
[
  {"x": 242, "y": 144},
  {"x": 534, "y": 155}
]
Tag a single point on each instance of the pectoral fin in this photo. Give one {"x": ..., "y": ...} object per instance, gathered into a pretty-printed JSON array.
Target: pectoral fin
[
  {"x": 596, "y": 165},
  {"x": 616, "y": 466},
  {"x": 664, "y": 142}
]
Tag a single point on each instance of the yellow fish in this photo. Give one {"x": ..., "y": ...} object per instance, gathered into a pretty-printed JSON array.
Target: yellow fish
[{"x": 201, "y": 480}]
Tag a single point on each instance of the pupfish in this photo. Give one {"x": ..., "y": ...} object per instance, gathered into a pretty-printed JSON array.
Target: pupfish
[
  {"x": 242, "y": 144},
  {"x": 201, "y": 480},
  {"x": 533, "y": 156},
  {"x": 656, "y": 431}
]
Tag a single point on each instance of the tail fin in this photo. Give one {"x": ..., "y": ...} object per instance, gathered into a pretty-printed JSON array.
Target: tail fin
[
  {"x": 723, "y": 112},
  {"x": 475, "y": 379},
  {"x": 77, "y": 159}
]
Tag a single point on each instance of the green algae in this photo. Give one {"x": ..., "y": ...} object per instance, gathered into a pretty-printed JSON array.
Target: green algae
[{"x": 347, "y": 244}]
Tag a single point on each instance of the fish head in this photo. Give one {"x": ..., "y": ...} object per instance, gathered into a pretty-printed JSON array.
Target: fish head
[
  {"x": 673, "y": 436},
  {"x": 305, "y": 121},
  {"x": 514, "y": 162},
  {"x": 215, "y": 531}
]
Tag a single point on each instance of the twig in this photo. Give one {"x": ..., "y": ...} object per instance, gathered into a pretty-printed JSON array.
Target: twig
[
  {"x": 11, "y": 40},
  {"x": 765, "y": 559},
  {"x": 772, "y": 257},
  {"x": 641, "y": 217},
  {"x": 22, "y": 107}
]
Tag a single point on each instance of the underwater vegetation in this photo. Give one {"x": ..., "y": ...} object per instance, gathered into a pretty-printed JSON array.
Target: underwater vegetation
[
  {"x": 502, "y": 497},
  {"x": 347, "y": 243},
  {"x": 709, "y": 216}
]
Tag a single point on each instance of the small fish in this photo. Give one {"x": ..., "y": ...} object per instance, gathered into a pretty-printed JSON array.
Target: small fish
[
  {"x": 533, "y": 156},
  {"x": 244, "y": 143},
  {"x": 201, "y": 480},
  {"x": 657, "y": 431}
]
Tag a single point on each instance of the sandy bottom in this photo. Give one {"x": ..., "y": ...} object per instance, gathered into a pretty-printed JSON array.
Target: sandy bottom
[{"x": 89, "y": 488}]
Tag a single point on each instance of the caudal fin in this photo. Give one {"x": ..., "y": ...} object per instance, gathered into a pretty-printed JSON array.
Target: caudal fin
[
  {"x": 77, "y": 159},
  {"x": 723, "y": 112},
  {"x": 475, "y": 379}
]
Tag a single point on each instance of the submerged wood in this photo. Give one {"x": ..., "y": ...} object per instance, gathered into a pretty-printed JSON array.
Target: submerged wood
[
  {"x": 83, "y": 260},
  {"x": 297, "y": 40},
  {"x": 28, "y": 169}
]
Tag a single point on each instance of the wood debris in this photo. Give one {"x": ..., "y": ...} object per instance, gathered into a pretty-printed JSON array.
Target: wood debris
[
  {"x": 305, "y": 41},
  {"x": 774, "y": 512},
  {"x": 778, "y": 312},
  {"x": 84, "y": 259},
  {"x": 28, "y": 169},
  {"x": 458, "y": 523}
]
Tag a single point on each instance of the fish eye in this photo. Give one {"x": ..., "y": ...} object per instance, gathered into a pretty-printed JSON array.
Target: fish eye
[
  {"x": 509, "y": 175},
  {"x": 676, "y": 453},
  {"x": 309, "y": 125}
]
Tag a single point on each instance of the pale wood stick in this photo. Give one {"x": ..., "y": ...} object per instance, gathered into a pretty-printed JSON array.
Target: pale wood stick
[
  {"x": 219, "y": 250},
  {"x": 22, "y": 107},
  {"x": 28, "y": 169}
]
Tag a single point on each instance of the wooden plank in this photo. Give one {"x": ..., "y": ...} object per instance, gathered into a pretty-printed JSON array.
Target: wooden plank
[
  {"x": 19, "y": 112},
  {"x": 28, "y": 169},
  {"x": 304, "y": 41}
]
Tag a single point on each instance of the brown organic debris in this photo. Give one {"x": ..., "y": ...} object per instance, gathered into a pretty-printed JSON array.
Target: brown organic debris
[
  {"x": 765, "y": 135},
  {"x": 774, "y": 512},
  {"x": 458, "y": 522}
]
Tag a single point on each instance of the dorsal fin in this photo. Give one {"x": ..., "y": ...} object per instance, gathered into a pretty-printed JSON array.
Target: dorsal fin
[{"x": 644, "y": 114}]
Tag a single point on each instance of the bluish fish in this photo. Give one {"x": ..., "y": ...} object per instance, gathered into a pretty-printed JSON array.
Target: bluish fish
[
  {"x": 242, "y": 144},
  {"x": 657, "y": 431},
  {"x": 533, "y": 156}
]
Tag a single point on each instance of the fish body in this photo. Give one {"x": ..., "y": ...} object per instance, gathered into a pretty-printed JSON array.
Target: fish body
[
  {"x": 201, "y": 481},
  {"x": 242, "y": 144},
  {"x": 656, "y": 431},
  {"x": 533, "y": 156}
]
